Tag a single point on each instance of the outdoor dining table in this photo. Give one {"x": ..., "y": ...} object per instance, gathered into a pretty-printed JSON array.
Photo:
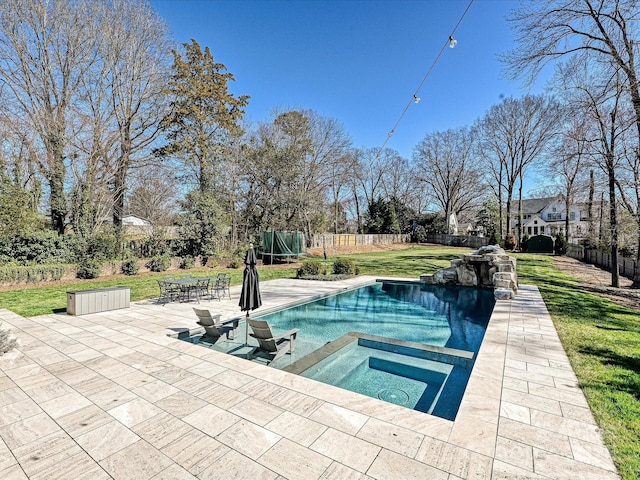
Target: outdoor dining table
[{"x": 188, "y": 285}]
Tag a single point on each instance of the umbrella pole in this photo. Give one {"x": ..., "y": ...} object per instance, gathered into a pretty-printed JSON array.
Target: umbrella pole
[{"x": 246, "y": 330}]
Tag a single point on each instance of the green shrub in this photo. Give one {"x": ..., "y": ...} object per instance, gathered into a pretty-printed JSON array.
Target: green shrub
[
  {"x": 344, "y": 266},
  {"x": 159, "y": 263},
  {"x": 187, "y": 262},
  {"x": 13, "y": 273},
  {"x": 309, "y": 268},
  {"x": 89, "y": 268},
  {"x": 42, "y": 247},
  {"x": 235, "y": 263},
  {"x": 560, "y": 244},
  {"x": 130, "y": 266}
]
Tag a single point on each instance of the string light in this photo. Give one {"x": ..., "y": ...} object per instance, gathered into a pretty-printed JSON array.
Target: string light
[{"x": 451, "y": 42}]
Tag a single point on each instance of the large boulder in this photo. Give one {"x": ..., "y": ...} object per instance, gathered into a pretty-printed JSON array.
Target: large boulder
[{"x": 488, "y": 266}]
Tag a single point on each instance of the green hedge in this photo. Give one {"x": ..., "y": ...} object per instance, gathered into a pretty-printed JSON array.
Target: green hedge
[{"x": 30, "y": 274}]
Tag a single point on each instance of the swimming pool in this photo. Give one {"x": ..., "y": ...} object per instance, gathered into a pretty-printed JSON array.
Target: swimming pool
[{"x": 402, "y": 342}]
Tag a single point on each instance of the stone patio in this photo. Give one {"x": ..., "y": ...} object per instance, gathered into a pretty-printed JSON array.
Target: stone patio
[{"x": 111, "y": 395}]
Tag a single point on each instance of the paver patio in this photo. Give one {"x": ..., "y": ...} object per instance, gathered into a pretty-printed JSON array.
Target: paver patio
[{"x": 111, "y": 395}]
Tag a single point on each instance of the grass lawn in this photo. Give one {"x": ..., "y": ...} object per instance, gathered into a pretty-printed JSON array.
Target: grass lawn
[{"x": 601, "y": 338}]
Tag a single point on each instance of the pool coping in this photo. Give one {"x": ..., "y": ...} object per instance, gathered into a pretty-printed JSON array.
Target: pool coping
[{"x": 523, "y": 414}]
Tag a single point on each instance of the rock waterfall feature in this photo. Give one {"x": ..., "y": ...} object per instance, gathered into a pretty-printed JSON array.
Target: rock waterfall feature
[{"x": 488, "y": 266}]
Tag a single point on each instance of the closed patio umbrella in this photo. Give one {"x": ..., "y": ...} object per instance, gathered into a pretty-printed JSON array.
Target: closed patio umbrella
[{"x": 250, "y": 295}]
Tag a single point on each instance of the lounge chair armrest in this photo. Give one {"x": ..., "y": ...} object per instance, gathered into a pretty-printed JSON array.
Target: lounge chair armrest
[{"x": 291, "y": 333}]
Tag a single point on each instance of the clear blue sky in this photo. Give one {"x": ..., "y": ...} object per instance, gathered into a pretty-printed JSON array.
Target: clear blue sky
[{"x": 358, "y": 61}]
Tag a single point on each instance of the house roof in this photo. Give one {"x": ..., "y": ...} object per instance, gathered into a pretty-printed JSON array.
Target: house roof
[{"x": 536, "y": 205}]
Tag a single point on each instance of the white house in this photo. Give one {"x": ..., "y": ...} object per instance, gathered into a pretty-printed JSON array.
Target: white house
[{"x": 548, "y": 215}]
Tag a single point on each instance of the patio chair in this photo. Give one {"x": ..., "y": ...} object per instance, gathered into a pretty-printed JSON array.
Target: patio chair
[
  {"x": 222, "y": 286},
  {"x": 272, "y": 345},
  {"x": 168, "y": 292},
  {"x": 202, "y": 287},
  {"x": 213, "y": 328}
]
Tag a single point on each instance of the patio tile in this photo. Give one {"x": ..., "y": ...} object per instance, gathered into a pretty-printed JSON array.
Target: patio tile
[
  {"x": 595, "y": 454},
  {"x": 174, "y": 472},
  {"x": 256, "y": 411},
  {"x": 13, "y": 472},
  {"x": 534, "y": 436},
  {"x": 28, "y": 430},
  {"x": 134, "y": 412},
  {"x": 211, "y": 419},
  {"x": 12, "y": 394},
  {"x": 294, "y": 462},
  {"x": 138, "y": 460},
  {"x": 76, "y": 467},
  {"x": 506, "y": 471},
  {"x": 107, "y": 439},
  {"x": 248, "y": 439},
  {"x": 154, "y": 390},
  {"x": 112, "y": 396},
  {"x": 391, "y": 437},
  {"x": 534, "y": 402},
  {"x": 180, "y": 404},
  {"x": 83, "y": 420},
  {"x": 515, "y": 412},
  {"x": 458, "y": 461},
  {"x": 65, "y": 404},
  {"x": 296, "y": 428},
  {"x": 45, "y": 452},
  {"x": 393, "y": 466},
  {"x": 162, "y": 429},
  {"x": 561, "y": 468},
  {"x": 514, "y": 453},
  {"x": 566, "y": 426},
  {"x": 337, "y": 471},
  {"x": 350, "y": 451},
  {"x": 339, "y": 418},
  {"x": 234, "y": 466},
  {"x": 474, "y": 434},
  {"x": 195, "y": 451}
]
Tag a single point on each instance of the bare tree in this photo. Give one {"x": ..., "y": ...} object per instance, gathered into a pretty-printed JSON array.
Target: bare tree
[
  {"x": 513, "y": 136},
  {"x": 135, "y": 50},
  {"x": 602, "y": 30},
  {"x": 154, "y": 196},
  {"x": 628, "y": 183},
  {"x": 448, "y": 167},
  {"x": 45, "y": 48},
  {"x": 292, "y": 164},
  {"x": 569, "y": 161}
]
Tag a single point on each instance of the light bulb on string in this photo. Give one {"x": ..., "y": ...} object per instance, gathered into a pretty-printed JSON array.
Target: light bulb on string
[
  {"x": 416, "y": 98},
  {"x": 452, "y": 42}
]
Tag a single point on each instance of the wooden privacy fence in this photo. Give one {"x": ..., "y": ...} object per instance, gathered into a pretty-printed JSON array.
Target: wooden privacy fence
[
  {"x": 458, "y": 240},
  {"x": 331, "y": 240},
  {"x": 626, "y": 266}
]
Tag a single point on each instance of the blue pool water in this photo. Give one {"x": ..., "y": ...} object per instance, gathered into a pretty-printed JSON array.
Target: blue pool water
[{"x": 453, "y": 317}]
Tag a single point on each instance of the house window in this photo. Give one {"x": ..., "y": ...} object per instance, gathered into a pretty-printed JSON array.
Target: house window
[
  {"x": 529, "y": 230},
  {"x": 535, "y": 222},
  {"x": 535, "y": 230},
  {"x": 553, "y": 209},
  {"x": 572, "y": 215}
]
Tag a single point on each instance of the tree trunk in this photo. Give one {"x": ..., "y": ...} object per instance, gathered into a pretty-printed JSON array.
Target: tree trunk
[
  {"x": 56, "y": 177},
  {"x": 613, "y": 221},
  {"x": 567, "y": 205},
  {"x": 590, "y": 205}
]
